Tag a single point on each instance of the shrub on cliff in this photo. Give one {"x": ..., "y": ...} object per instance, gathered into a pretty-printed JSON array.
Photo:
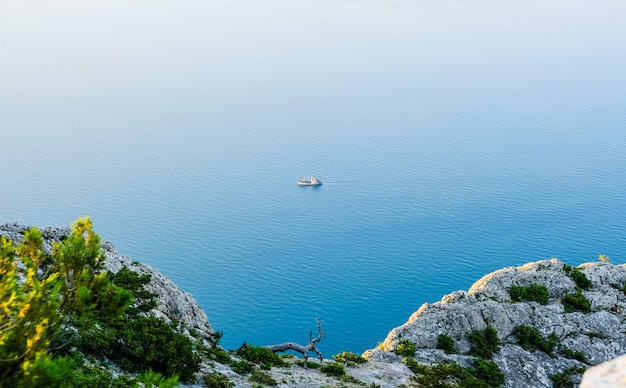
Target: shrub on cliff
[
  {"x": 349, "y": 358},
  {"x": 143, "y": 343},
  {"x": 530, "y": 339},
  {"x": 446, "y": 343},
  {"x": 406, "y": 348},
  {"x": 534, "y": 293},
  {"x": 259, "y": 355},
  {"x": 42, "y": 294},
  {"x": 484, "y": 343},
  {"x": 217, "y": 380},
  {"x": 483, "y": 374},
  {"x": 578, "y": 277},
  {"x": 333, "y": 369},
  {"x": 576, "y": 302}
]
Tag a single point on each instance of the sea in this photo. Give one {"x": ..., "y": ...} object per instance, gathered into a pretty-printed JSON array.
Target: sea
[{"x": 453, "y": 138}]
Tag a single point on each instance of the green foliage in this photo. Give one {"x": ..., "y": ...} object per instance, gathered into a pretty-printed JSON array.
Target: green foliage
[
  {"x": 483, "y": 374},
  {"x": 259, "y": 355},
  {"x": 564, "y": 379},
  {"x": 217, "y": 354},
  {"x": 155, "y": 379},
  {"x": 217, "y": 380},
  {"x": 413, "y": 365},
  {"x": 576, "y": 302},
  {"x": 446, "y": 343},
  {"x": 578, "y": 277},
  {"x": 309, "y": 364},
  {"x": 535, "y": 293},
  {"x": 242, "y": 367},
  {"x": 262, "y": 378},
  {"x": 144, "y": 300},
  {"x": 575, "y": 355},
  {"x": 488, "y": 372},
  {"x": 406, "y": 348},
  {"x": 144, "y": 343},
  {"x": 54, "y": 291},
  {"x": 530, "y": 339},
  {"x": 484, "y": 343},
  {"x": 215, "y": 338},
  {"x": 87, "y": 376},
  {"x": 333, "y": 369},
  {"x": 89, "y": 295},
  {"x": 349, "y": 358}
]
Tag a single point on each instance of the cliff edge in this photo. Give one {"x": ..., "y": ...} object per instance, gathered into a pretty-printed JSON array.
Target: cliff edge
[
  {"x": 581, "y": 335},
  {"x": 548, "y": 323}
]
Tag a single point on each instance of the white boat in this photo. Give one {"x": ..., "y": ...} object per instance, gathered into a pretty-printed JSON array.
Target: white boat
[{"x": 312, "y": 181}]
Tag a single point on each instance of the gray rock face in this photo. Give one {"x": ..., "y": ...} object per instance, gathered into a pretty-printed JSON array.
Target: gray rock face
[
  {"x": 173, "y": 303},
  {"x": 599, "y": 334}
]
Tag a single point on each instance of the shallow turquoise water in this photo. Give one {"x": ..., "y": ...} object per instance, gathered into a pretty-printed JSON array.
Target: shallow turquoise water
[{"x": 453, "y": 139}]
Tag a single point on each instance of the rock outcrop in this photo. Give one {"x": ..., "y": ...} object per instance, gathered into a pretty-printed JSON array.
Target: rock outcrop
[
  {"x": 584, "y": 338},
  {"x": 599, "y": 335},
  {"x": 173, "y": 303}
]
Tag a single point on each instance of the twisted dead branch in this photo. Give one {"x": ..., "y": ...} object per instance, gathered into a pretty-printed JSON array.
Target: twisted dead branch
[{"x": 303, "y": 349}]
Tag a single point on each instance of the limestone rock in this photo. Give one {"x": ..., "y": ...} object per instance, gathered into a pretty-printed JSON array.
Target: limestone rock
[
  {"x": 173, "y": 303},
  {"x": 584, "y": 339},
  {"x": 599, "y": 335}
]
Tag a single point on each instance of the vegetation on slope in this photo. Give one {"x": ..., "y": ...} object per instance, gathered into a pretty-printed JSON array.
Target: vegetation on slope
[{"x": 54, "y": 303}]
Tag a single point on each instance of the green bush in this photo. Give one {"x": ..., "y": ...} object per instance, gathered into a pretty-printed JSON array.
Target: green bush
[
  {"x": 534, "y": 293},
  {"x": 580, "y": 279},
  {"x": 575, "y": 355},
  {"x": 144, "y": 300},
  {"x": 564, "y": 379},
  {"x": 530, "y": 339},
  {"x": 43, "y": 294},
  {"x": 577, "y": 276},
  {"x": 576, "y": 302},
  {"x": 144, "y": 343},
  {"x": 262, "y": 378},
  {"x": 484, "y": 343},
  {"x": 488, "y": 372},
  {"x": 483, "y": 374},
  {"x": 242, "y": 367},
  {"x": 518, "y": 293},
  {"x": 413, "y": 365},
  {"x": 217, "y": 354},
  {"x": 309, "y": 364},
  {"x": 406, "y": 348},
  {"x": 446, "y": 343},
  {"x": 349, "y": 358},
  {"x": 259, "y": 355},
  {"x": 217, "y": 380},
  {"x": 333, "y": 369},
  {"x": 155, "y": 379}
]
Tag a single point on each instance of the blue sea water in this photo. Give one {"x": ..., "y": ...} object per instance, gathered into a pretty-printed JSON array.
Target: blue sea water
[{"x": 453, "y": 139}]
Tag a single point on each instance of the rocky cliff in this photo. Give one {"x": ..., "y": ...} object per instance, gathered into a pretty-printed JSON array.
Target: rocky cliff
[
  {"x": 173, "y": 303},
  {"x": 582, "y": 338},
  {"x": 581, "y": 335}
]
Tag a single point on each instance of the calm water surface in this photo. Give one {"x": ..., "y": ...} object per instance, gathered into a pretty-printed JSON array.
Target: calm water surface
[{"x": 453, "y": 138}]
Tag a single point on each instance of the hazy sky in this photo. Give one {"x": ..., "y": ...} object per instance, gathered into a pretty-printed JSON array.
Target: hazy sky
[
  {"x": 88, "y": 44},
  {"x": 63, "y": 60}
]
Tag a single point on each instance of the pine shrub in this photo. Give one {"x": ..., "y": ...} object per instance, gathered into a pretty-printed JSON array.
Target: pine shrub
[{"x": 406, "y": 348}]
